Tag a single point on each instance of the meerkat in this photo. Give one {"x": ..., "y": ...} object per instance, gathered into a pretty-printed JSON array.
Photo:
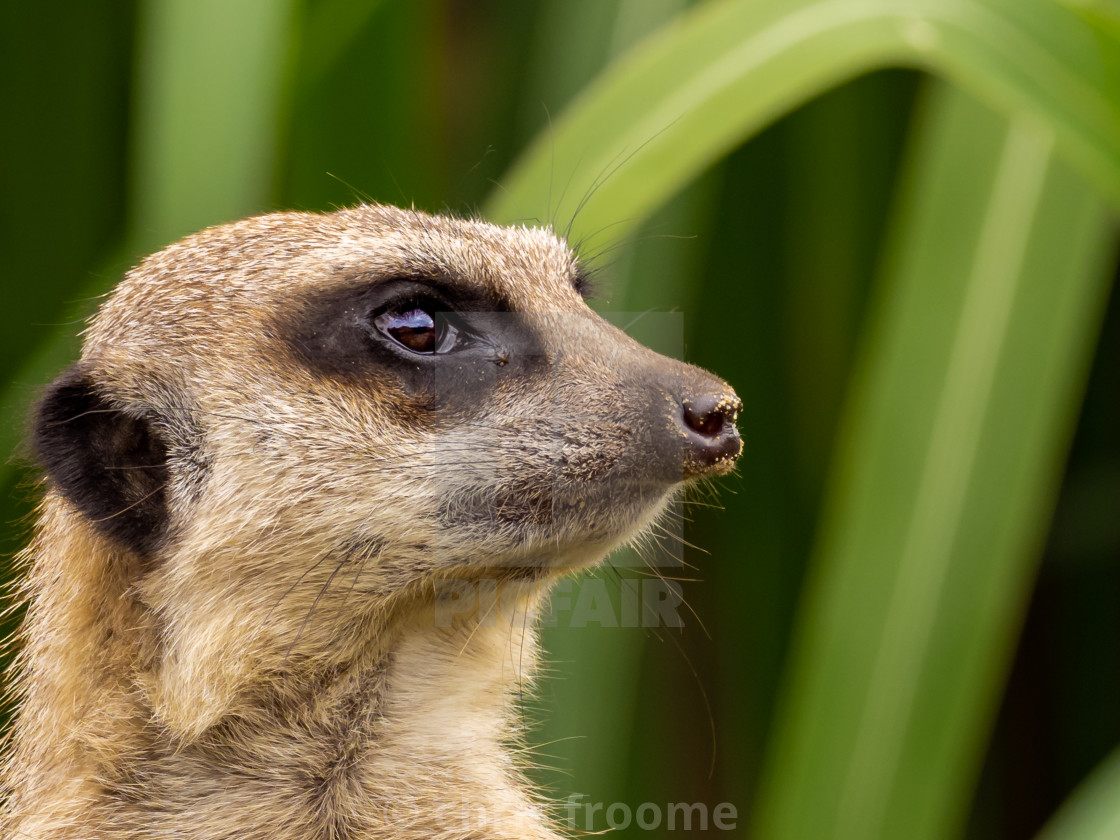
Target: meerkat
[{"x": 283, "y": 441}]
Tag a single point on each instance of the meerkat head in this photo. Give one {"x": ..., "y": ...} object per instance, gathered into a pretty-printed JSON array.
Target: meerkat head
[{"x": 296, "y": 423}]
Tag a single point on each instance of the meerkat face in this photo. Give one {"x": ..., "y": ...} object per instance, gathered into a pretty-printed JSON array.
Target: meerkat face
[{"x": 376, "y": 396}]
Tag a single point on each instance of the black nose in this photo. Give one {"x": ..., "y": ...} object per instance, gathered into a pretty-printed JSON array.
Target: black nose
[{"x": 708, "y": 423}]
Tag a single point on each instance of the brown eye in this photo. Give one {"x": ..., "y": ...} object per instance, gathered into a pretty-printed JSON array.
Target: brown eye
[{"x": 418, "y": 328}]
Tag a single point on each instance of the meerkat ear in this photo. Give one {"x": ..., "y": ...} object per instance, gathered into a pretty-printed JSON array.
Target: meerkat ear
[{"x": 109, "y": 463}]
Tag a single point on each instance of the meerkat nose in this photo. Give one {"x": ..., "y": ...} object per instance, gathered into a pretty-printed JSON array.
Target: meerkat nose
[{"x": 708, "y": 422}]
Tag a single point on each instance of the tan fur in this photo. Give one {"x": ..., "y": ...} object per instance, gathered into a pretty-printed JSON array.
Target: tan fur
[{"x": 276, "y": 667}]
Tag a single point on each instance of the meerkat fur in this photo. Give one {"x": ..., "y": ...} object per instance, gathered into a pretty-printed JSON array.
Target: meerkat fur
[{"x": 287, "y": 443}]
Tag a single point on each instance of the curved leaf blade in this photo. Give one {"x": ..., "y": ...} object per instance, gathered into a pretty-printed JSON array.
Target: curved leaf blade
[
  {"x": 702, "y": 85},
  {"x": 954, "y": 440}
]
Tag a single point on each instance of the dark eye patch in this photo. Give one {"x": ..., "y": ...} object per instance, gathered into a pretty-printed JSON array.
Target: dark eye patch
[{"x": 443, "y": 345}]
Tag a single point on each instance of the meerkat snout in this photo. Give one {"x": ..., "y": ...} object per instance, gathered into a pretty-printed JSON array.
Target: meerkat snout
[{"x": 283, "y": 438}]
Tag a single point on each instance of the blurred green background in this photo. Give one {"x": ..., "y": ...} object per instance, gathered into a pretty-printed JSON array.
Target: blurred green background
[{"x": 890, "y": 224}]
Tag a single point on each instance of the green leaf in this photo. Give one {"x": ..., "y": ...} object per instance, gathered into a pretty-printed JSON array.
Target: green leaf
[
  {"x": 1093, "y": 811},
  {"x": 211, "y": 75},
  {"x": 953, "y": 445},
  {"x": 330, "y": 29},
  {"x": 705, "y": 83},
  {"x": 1103, "y": 12}
]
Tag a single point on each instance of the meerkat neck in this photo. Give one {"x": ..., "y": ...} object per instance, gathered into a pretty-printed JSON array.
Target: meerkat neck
[
  {"x": 410, "y": 742},
  {"x": 447, "y": 721}
]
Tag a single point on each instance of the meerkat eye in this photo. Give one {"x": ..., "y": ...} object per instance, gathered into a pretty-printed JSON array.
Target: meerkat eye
[{"x": 418, "y": 328}]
